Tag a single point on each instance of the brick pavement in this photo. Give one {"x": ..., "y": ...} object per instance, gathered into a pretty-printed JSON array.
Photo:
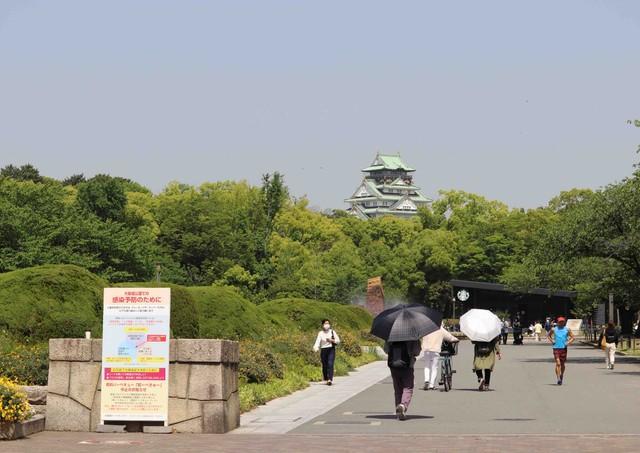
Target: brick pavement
[{"x": 48, "y": 442}]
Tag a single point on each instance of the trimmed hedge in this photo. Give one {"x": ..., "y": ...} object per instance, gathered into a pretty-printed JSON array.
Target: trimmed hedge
[
  {"x": 225, "y": 313},
  {"x": 307, "y": 314},
  {"x": 50, "y": 301}
]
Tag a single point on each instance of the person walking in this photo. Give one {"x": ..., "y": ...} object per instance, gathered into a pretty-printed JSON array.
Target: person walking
[
  {"x": 504, "y": 331},
  {"x": 561, "y": 337},
  {"x": 401, "y": 359},
  {"x": 326, "y": 342},
  {"x": 610, "y": 337},
  {"x": 432, "y": 345},
  {"x": 484, "y": 359},
  {"x": 537, "y": 330}
]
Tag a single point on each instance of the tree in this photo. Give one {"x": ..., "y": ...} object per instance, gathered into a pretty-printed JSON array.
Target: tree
[
  {"x": 74, "y": 180},
  {"x": 25, "y": 172},
  {"x": 104, "y": 196}
]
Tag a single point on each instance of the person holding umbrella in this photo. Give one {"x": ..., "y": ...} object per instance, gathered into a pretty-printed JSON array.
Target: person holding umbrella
[
  {"x": 402, "y": 327},
  {"x": 483, "y": 329},
  {"x": 484, "y": 359}
]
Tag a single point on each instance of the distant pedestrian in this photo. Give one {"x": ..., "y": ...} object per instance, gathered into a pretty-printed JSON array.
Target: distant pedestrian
[
  {"x": 432, "y": 345},
  {"x": 484, "y": 359},
  {"x": 402, "y": 357},
  {"x": 561, "y": 337},
  {"x": 537, "y": 330},
  {"x": 326, "y": 342},
  {"x": 609, "y": 339},
  {"x": 504, "y": 331},
  {"x": 547, "y": 325}
]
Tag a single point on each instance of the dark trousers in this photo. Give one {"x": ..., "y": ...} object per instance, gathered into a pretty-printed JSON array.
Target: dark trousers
[
  {"x": 487, "y": 375},
  {"x": 402, "y": 385},
  {"x": 327, "y": 357},
  {"x": 504, "y": 338}
]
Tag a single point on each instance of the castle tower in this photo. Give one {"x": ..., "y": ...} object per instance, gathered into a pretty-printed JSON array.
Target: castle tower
[{"x": 387, "y": 189}]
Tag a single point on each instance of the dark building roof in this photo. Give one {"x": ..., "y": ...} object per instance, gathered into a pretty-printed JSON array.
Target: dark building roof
[{"x": 504, "y": 288}]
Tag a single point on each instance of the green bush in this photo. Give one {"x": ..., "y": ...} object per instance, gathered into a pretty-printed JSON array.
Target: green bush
[
  {"x": 26, "y": 364},
  {"x": 184, "y": 310},
  {"x": 50, "y": 301},
  {"x": 350, "y": 344},
  {"x": 225, "y": 313},
  {"x": 307, "y": 315},
  {"x": 258, "y": 363}
]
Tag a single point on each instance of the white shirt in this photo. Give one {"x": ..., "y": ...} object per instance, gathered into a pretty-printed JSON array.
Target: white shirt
[{"x": 322, "y": 340}]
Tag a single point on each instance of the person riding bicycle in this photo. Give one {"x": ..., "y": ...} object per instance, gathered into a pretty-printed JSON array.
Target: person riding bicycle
[{"x": 432, "y": 345}]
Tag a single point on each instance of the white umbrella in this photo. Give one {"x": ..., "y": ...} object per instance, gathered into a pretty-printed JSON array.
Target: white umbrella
[{"x": 480, "y": 325}]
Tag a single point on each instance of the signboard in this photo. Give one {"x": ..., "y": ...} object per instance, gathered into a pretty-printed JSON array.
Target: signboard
[
  {"x": 574, "y": 325},
  {"x": 135, "y": 354}
]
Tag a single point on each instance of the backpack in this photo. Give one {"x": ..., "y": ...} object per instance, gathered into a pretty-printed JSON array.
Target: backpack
[
  {"x": 483, "y": 348},
  {"x": 399, "y": 355}
]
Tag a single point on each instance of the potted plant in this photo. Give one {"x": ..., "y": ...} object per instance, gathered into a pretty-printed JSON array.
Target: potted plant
[{"x": 14, "y": 408}]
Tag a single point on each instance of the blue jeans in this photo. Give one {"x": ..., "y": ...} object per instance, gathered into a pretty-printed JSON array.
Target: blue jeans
[{"x": 327, "y": 357}]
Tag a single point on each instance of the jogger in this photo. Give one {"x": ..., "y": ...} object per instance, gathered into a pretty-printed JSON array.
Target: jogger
[{"x": 561, "y": 337}]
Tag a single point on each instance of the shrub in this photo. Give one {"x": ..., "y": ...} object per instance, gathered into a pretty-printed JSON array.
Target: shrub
[
  {"x": 350, "y": 344},
  {"x": 258, "y": 363},
  {"x": 50, "y": 301},
  {"x": 295, "y": 344},
  {"x": 24, "y": 364},
  {"x": 225, "y": 313},
  {"x": 184, "y": 310},
  {"x": 14, "y": 406},
  {"x": 307, "y": 314}
]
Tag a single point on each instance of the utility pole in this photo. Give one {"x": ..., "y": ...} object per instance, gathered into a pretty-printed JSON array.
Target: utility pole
[{"x": 611, "y": 312}]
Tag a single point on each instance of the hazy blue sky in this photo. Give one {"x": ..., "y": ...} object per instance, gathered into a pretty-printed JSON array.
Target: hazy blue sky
[{"x": 510, "y": 99}]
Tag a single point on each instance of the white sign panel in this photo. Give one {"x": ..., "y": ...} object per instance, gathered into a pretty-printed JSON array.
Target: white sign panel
[{"x": 135, "y": 354}]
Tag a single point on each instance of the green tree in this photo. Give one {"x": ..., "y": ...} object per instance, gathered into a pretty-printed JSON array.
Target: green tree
[{"x": 104, "y": 196}]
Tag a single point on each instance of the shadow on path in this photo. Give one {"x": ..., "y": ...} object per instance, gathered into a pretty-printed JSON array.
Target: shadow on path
[{"x": 393, "y": 417}]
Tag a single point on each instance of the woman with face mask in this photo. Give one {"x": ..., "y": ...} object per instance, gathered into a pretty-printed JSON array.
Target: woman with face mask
[{"x": 326, "y": 342}]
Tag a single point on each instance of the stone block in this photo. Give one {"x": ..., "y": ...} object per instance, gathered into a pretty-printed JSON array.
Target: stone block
[
  {"x": 70, "y": 349},
  {"x": 34, "y": 425},
  {"x": 58, "y": 381},
  {"x": 181, "y": 410},
  {"x": 96, "y": 350},
  {"x": 178, "y": 379},
  {"x": 96, "y": 411},
  {"x": 210, "y": 382},
  {"x": 232, "y": 352},
  {"x": 111, "y": 429},
  {"x": 37, "y": 394},
  {"x": 150, "y": 429},
  {"x": 173, "y": 350},
  {"x": 219, "y": 417},
  {"x": 83, "y": 382},
  {"x": 200, "y": 351},
  {"x": 193, "y": 426},
  {"x": 65, "y": 414}
]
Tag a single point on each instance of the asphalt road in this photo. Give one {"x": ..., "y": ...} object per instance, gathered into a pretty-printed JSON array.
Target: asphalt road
[{"x": 524, "y": 399}]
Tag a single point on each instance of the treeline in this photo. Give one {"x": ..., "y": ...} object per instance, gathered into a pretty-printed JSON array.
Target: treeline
[{"x": 267, "y": 245}]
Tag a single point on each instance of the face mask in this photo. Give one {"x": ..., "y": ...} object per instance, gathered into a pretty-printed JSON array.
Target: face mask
[{"x": 326, "y": 326}]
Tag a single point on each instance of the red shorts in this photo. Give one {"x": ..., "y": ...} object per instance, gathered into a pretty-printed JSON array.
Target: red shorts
[{"x": 560, "y": 354}]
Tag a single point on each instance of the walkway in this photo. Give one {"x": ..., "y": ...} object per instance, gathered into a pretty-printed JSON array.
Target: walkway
[
  {"x": 284, "y": 414},
  {"x": 525, "y": 399}
]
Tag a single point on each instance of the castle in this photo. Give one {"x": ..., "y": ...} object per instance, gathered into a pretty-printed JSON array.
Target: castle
[{"x": 387, "y": 189}]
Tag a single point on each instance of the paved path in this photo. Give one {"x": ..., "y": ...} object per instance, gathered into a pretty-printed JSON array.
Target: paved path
[
  {"x": 276, "y": 443},
  {"x": 525, "y": 399},
  {"x": 596, "y": 410},
  {"x": 284, "y": 414}
]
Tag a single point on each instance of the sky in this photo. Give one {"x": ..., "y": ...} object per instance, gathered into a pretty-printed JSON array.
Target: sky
[{"x": 513, "y": 100}]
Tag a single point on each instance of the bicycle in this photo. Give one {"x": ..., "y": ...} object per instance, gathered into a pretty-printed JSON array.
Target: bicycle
[{"x": 446, "y": 369}]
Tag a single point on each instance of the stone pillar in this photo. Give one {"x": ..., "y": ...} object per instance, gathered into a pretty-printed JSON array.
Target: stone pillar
[
  {"x": 375, "y": 296},
  {"x": 203, "y": 385}
]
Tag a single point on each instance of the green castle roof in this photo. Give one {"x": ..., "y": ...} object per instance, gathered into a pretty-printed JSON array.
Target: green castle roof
[{"x": 388, "y": 162}]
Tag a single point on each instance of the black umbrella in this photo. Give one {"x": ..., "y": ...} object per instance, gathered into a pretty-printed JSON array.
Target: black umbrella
[{"x": 406, "y": 323}]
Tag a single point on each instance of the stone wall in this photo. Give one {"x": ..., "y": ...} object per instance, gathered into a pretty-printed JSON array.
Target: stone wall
[{"x": 203, "y": 385}]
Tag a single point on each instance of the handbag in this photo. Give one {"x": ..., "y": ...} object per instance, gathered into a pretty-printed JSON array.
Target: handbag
[{"x": 603, "y": 342}]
